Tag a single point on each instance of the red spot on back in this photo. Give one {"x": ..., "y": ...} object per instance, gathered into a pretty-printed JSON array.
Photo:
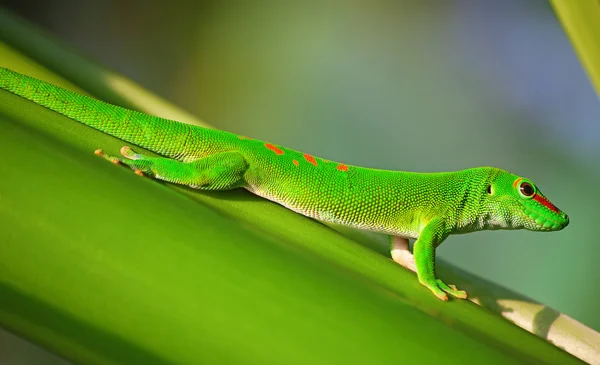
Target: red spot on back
[
  {"x": 517, "y": 182},
  {"x": 310, "y": 159},
  {"x": 296, "y": 162},
  {"x": 274, "y": 148},
  {"x": 342, "y": 167},
  {"x": 542, "y": 200}
]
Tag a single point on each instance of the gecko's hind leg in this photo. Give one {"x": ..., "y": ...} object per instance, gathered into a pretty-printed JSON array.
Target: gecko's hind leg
[{"x": 220, "y": 171}]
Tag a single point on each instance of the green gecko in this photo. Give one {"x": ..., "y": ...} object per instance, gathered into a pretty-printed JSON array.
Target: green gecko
[{"x": 427, "y": 207}]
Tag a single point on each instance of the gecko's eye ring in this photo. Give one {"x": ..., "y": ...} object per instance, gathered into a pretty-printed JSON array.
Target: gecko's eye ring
[{"x": 526, "y": 189}]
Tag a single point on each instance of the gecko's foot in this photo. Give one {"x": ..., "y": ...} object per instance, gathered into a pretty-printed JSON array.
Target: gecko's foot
[
  {"x": 138, "y": 163},
  {"x": 439, "y": 289},
  {"x": 451, "y": 289}
]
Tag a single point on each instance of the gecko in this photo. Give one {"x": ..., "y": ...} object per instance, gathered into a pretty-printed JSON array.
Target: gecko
[{"x": 424, "y": 206}]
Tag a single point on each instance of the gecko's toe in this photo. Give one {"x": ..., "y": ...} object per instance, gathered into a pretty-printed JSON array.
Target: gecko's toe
[
  {"x": 125, "y": 150},
  {"x": 139, "y": 172},
  {"x": 130, "y": 154},
  {"x": 101, "y": 153},
  {"x": 452, "y": 290},
  {"x": 436, "y": 289},
  {"x": 461, "y": 294},
  {"x": 442, "y": 296}
]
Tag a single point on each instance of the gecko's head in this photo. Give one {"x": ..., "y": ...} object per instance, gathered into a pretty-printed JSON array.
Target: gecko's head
[{"x": 518, "y": 203}]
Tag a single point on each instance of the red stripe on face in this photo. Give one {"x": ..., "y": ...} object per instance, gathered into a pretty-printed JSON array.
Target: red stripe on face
[
  {"x": 517, "y": 182},
  {"x": 296, "y": 162},
  {"x": 274, "y": 148},
  {"x": 545, "y": 202},
  {"x": 342, "y": 167},
  {"x": 310, "y": 159}
]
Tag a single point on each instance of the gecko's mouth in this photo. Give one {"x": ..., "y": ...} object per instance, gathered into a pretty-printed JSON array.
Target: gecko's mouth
[{"x": 544, "y": 222}]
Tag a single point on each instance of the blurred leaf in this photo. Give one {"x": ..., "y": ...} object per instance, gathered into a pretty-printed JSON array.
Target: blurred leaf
[{"x": 581, "y": 20}]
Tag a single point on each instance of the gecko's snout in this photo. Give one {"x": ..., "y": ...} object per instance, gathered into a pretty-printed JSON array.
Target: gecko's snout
[
  {"x": 565, "y": 220},
  {"x": 558, "y": 222}
]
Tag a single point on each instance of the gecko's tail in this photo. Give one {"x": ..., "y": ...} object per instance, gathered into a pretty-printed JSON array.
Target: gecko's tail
[{"x": 160, "y": 135}]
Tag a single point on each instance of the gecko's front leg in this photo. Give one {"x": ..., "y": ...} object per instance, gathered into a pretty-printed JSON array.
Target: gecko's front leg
[{"x": 424, "y": 253}]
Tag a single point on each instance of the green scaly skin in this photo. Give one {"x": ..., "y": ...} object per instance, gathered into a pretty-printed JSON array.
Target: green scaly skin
[{"x": 424, "y": 206}]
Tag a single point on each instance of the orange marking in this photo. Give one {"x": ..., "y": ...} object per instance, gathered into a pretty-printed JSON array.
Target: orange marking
[
  {"x": 517, "y": 182},
  {"x": 342, "y": 167},
  {"x": 274, "y": 149},
  {"x": 296, "y": 162},
  {"x": 310, "y": 159},
  {"x": 242, "y": 137}
]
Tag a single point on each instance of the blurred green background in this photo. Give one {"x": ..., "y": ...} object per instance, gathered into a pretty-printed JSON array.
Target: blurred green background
[{"x": 427, "y": 86}]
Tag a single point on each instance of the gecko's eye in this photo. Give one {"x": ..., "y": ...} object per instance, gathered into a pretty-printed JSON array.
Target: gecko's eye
[
  {"x": 489, "y": 189},
  {"x": 526, "y": 189}
]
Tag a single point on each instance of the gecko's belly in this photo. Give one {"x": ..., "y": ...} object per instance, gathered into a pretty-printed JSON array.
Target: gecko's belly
[{"x": 362, "y": 216}]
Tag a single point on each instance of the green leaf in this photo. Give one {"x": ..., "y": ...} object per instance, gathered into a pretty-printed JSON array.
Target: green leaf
[{"x": 104, "y": 267}]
